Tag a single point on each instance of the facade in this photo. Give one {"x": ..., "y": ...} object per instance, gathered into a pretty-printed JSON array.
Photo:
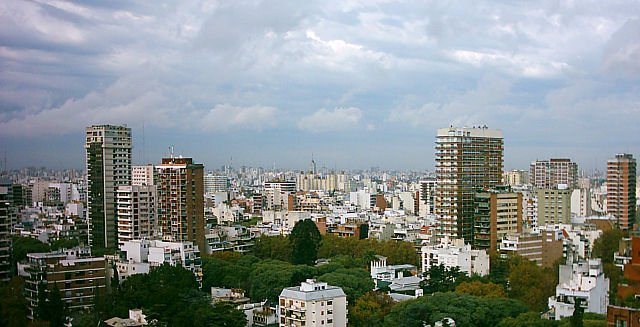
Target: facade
[
  {"x": 554, "y": 206},
  {"x": 516, "y": 177},
  {"x": 427, "y": 196},
  {"x": 548, "y": 174},
  {"x": 455, "y": 253},
  {"x": 136, "y": 212},
  {"x": 142, "y": 174},
  {"x": 215, "y": 183},
  {"x": 108, "y": 167},
  {"x": 7, "y": 220},
  {"x": 155, "y": 253},
  {"x": 623, "y": 316},
  {"x": 78, "y": 277},
  {"x": 498, "y": 213},
  {"x": 180, "y": 193},
  {"x": 313, "y": 304},
  {"x": 310, "y": 182},
  {"x": 621, "y": 189},
  {"x": 581, "y": 202},
  {"x": 467, "y": 160},
  {"x": 543, "y": 248},
  {"x": 584, "y": 280}
]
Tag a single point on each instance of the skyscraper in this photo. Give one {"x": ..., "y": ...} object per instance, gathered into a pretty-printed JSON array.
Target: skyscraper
[
  {"x": 180, "y": 200},
  {"x": 621, "y": 189},
  {"x": 108, "y": 166},
  {"x": 467, "y": 160},
  {"x": 548, "y": 174}
]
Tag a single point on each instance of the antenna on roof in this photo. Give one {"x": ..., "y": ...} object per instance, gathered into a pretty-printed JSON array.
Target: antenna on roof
[{"x": 171, "y": 152}]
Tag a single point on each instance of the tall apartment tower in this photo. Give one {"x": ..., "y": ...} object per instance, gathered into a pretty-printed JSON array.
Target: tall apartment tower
[
  {"x": 108, "y": 167},
  {"x": 7, "y": 220},
  {"x": 180, "y": 200},
  {"x": 467, "y": 160},
  {"x": 142, "y": 174},
  {"x": 548, "y": 174},
  {"x": 136, "y": 212},
  {"x": 621, "y": 189}
]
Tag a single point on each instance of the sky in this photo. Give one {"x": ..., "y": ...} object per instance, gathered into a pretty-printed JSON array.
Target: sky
[{"x": 354, "y": 84}]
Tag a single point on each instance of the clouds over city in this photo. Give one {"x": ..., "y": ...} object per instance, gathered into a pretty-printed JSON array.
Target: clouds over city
[{"x": 553, "y": 72}]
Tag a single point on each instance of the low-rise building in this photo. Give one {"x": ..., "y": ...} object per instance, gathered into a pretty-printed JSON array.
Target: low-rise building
[
  {"x": 77, "y": 275},
  {"x": 313, "y": 304},
  {"x": 455, "y": 253},
  {"x": 155, "y": 253},
  {"x": 584, "y": 280},
  {"x": 543, "y": 248}
]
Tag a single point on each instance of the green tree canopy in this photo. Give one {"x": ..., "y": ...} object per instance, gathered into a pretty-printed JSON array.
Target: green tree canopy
[
  {"x": 305, "y": 241},
  {"x": 370, "y": 309},
  {"x": 354, "y": 282}
]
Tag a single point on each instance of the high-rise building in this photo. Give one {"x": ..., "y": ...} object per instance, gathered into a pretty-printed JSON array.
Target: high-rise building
[
  {"x": 548, "y": 174},
  {"x": 621, "y": 189},
  {"x": 136, "y": 212},
  {"x": 467, "y": 160},
  {"x": 554, "y": 207},
  {"x": 516, "y": 177},
  {"x": 215, "y": 183},
  {"x": 181, "y": 200},
  {"x": 427, "y": 196},
  {"x": 7, "y": 220},
  {"x": 142, "y": 174},
  {"x": 108, "y": 167},
  {"x": 498, "y": 213}
]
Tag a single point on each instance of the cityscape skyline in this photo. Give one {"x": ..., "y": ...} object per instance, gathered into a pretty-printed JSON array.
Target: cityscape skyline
[{"x": 357, "y": 84}]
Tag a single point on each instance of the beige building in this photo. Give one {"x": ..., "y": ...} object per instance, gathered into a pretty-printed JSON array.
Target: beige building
[
  {"x": 548, "y": 174},
  {"x": 136, "y": 212},
  {"x": 142, "y": 174},
  {"x": 312, "y": 182},
  {"x": 313, "y": 304},
  {"x": 467, "y": 160},
  {"x": 498, "y": 213},
  {"x": 515, "y": 177},
  {"x": 543, "y": 249},
  {"x": 554, "y": 207}
]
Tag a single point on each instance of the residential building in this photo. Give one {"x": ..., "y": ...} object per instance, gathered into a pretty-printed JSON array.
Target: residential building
[
  {"x": 455, "y": 253},
  {"x": 215, "y": 183},
  {"x": 548, "y": 174},
  {"x": 77, "y": 275},
  {"x": 628, "y": 288},
  {"x": 7, "y": 220},
  {"x": 623, "y": 316},
  {"x": 142, "y": 174},
  {"x": 313, "y": 304},
  {"x": 554, "y": 206},
  {"x": 498, "y": 213},
  {"x": 401, "y": 279},
  {"x": 180, "y": 193},
  {"x": 155, "y": 253},
  {"x": 515, "y": 177},
  {"x": 621, "y": 189},
  {"x": 584, "y": 280},
  {"x": 427, "y": 196},
  {"x": 581, "y": 202},
  {"x": 136, "y": 212},
  {"x": 108, "y": 150},
  {"x": 467, "y": 160},
  {"x": 543, "y": 248}
]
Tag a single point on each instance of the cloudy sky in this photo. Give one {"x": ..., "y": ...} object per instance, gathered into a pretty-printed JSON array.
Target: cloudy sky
[{"x": 355, "y": 83}]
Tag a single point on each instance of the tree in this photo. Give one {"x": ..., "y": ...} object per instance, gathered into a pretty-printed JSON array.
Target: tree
[
  {"x": 272, "y": 247},
  {"x": 64, "y": 243},
  {"x": 25, "y": 245},
  {"x": 364, "y": 231},
  {"x": 578, "y": 312},
  {"x": 370, "y": 309},
  {"x": 530, "y": 283},
  {"x": 527, "y": 319},
  {"x": 305, "y": 241},
  {"x": 440, "y": 279},
  {"x": 50, "y": 306},
  {"x": 13, "y": 306},
  {"x": 607, "y": 245},
  {"x": 480, "y": 289},
  {"x": 464, "y": 309},
  {"x": 354, "y": 282}
]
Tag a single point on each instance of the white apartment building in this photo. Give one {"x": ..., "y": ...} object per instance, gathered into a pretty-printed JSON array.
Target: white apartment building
[
  {"x": 581, "y": 202},
  {"x": 313, "y": 304},
  {"x": 215, "y": 183},
  {"x": 584, "y": 280},
  {"x": 136, "y": 212},
  {"x": 454, "y": 253},
  {"x": 156, "y": 253},
  {"x": 142, "y": 174}
]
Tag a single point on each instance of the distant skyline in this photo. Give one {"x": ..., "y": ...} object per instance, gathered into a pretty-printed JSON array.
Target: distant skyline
[{"x": 356, "y": 83}]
